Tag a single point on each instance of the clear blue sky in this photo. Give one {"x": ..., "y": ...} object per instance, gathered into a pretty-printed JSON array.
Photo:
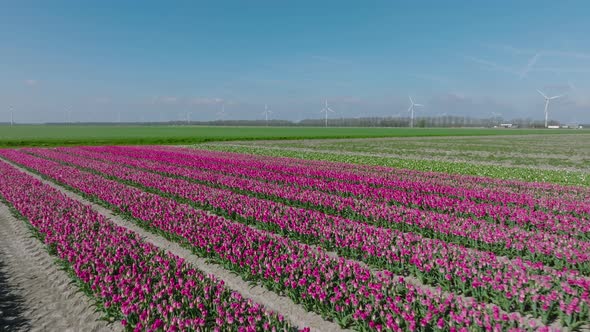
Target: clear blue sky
[{"x": 158, "y": 60}]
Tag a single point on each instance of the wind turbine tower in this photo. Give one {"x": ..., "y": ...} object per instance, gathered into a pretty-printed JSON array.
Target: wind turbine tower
[
  {"x": 547, "y": 99},
  {"x": 221, "y": 113},
  {"x": 325, "y": 110},
  {"x": 266, "y": 113},
  {"x": 411, "y": 110}
]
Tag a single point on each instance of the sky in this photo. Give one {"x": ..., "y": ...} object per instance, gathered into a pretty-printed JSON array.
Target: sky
[{"x": 166, "y": 60}]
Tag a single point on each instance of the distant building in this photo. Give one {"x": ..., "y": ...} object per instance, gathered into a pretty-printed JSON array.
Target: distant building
[
  {"x": 573, "y": 126},
  {"x": 506, "y": 125},
  {"x": 553, "y": 127}
]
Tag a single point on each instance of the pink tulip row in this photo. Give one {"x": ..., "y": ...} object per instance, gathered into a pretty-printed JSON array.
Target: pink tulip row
[
  {"x": 483, "y": 186},
  {"x": 282, "y": 186},
  {"x": 147, "y": 289},
  {"x": 336, "y": 288},
  {"x": 552, "y": 249},
  {"x": 512, "y": 284},
  {"x": 373, "y": 187}
]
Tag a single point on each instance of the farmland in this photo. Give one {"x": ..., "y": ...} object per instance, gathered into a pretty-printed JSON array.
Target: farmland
[
  {"x": 165, "y": 238},
  {"x": 546, "y": 158},
  {"x": 287, "y": 166},
  {"x": 60, "y": 135}
]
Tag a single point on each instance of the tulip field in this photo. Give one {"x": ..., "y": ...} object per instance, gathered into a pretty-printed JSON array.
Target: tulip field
[
  {"x": 556, "y": 158},
  {"x": 368, "y": 247}
]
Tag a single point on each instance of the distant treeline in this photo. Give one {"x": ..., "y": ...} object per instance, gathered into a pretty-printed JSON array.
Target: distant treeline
[{"x": 419, "y": 122}]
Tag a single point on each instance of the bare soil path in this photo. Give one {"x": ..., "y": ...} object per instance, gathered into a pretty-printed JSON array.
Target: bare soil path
[{"x": 35, "y": 295}]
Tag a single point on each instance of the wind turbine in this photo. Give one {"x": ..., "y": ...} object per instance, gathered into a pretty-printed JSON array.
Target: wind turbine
[
  {"x": 266, "y": 113},
  {"x": 325, "y": 110},
  {"x": 188, "y": 117},
  {"x": 221, "y": 113},
  {"x": 411, "y": 110},
  {"x": 11, "y": 117},
  {"x": 547, "y": 99}
]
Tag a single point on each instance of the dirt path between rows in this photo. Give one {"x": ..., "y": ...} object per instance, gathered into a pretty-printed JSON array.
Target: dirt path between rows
[
  {"x": 35, "y": 295},
  {"x": 270, "y": 300}
]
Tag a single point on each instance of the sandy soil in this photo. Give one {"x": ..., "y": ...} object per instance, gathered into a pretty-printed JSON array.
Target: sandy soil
[
  {"x": 270, "y": 300},
  {"x": 35, "y": 295}
]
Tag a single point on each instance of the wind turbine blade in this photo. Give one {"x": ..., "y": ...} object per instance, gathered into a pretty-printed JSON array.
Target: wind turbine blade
[
  {"x": 331, "y": 110},
  {"x": 418, "y": 105},
  {"x": 542, "y": 94},
  {"x": 555, "y": 97},
  {"x": 411, "y": 100},
  {"x": 410, "y": 108},
  {"x": 529, "y": 65}
]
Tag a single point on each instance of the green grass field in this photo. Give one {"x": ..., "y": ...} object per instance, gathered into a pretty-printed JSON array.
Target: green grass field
[{"x": 42, "y": 135}]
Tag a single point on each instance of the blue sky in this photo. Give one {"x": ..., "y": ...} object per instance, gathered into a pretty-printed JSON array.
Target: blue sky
[{"x": 158, "y": 60}]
